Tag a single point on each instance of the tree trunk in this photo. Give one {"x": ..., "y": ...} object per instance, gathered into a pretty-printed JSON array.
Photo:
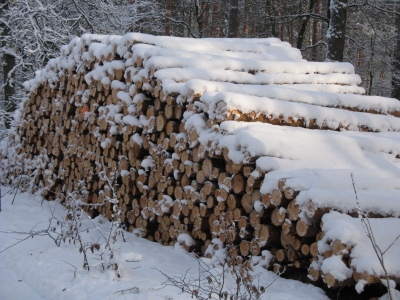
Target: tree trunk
[
  {"x": 201, "y": 18},
  {"x": 396, "y": 58},
  {"x": 304, "y": 24},
  {"x": 336, "y": 30},
  {"x": 215, "y": 21},
  {"x": 328, "y": 11},
  {"x": 247, "y": 16},
  {"x": 233, "y": 26},
  {"x": 273, "y": 25},
  {"x": 267, "y": 21},
  {"x": 370, "y": 69},
  {"x": 316, "y": 30},
  {"x": 280, "y": 24},
  {"x": 190, "y": 23},
  {"x": 9, "y": 64},
  {"x": 167, "y": 21}
]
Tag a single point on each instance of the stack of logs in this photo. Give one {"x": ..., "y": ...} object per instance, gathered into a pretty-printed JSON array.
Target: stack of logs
[{"x": 164, "y": 179}]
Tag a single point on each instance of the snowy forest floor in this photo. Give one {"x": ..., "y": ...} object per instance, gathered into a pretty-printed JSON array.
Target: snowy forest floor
[{"x": 37, "y": 268}]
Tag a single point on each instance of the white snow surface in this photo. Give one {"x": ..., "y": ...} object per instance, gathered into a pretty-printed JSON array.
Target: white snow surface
[
  {"x": 210, "y": 74},
  {"x": 336, "y": 267},
  {"x": 377, "y": 201},
  {"x": 291, "y": 148},
  {"x": 351, "y": 231},
  {"x": 371, "y": 190},
  {"x": 328, "y": 88},
  {"x": 177, "y": 60},
  {"x": 335, "y": 179},
  {"x": 271, "y": 60},
  {"x": 37, "y": 269},
  {"x": 283, "y": 92},
  {"x": 218, "y": 106},
  {"x": 181, "y": 48}
]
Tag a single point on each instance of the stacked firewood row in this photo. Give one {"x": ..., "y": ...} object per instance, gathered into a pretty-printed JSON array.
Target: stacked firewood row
[{"x": 125, "y": 139}]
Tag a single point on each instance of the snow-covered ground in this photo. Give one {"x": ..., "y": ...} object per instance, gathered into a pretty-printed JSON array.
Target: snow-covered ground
[{"x": 37, "y": 269}]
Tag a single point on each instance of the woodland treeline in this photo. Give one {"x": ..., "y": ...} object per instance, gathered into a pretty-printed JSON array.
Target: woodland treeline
[{"x": 363, "y": 32}]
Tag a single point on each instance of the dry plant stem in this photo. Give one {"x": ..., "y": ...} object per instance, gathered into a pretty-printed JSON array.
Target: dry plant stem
[
  {"x": 210, "y": 282},
  {"x": 49, "y": 231},
  {"x": 19, "y": 182},
  {"x": 70, "y": 228},
  {"x": 71, "y": 266}
]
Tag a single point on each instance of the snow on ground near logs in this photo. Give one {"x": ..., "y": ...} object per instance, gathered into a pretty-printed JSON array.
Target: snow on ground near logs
[{"x": 38, "y": 269}]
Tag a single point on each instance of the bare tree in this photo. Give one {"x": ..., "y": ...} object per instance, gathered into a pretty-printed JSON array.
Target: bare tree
[
  {"x": 233, "y": 25},
  {"x": 396, "y": 57},
  {"x": 304, "y": 23},
  {"x": 8, "y": 65},
  {"x": 33, "y": 31},
  {"x": 337, "y": 29},
  {"x": 215, "y": 28},
  {"x": 168, "y": 18}
]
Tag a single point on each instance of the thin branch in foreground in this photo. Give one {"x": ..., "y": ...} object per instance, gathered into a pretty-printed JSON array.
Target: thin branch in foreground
[{"x": 379, "y": 254}]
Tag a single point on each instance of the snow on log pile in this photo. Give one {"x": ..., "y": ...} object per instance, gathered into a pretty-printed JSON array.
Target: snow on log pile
[{"x": 227, "y": 140}]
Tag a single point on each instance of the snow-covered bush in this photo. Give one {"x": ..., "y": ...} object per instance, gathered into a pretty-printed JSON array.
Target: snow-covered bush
[{"x": 77, "y": 221}]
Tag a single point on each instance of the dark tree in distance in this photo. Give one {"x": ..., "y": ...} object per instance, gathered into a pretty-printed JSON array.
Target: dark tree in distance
[
  {"x": 8, "y": 64},
  {"x": 233, "y": 22},
  {"x": 337, "y": 29},
  {"x": 396, "y": 58},
  {"x": 304, "y": 24}
]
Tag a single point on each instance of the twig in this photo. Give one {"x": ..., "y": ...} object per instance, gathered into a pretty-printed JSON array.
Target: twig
[
  {"x": 379, "y": 254},
  {"x": 19, "y": 181},
  {"x": 75, "y": 269},
  {"x": 121, "y": 292},
  {"x": 20, "y": 241}
]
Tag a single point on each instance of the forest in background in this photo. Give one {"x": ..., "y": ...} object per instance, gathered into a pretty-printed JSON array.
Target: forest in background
[{"x": 362, "y": 32}]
